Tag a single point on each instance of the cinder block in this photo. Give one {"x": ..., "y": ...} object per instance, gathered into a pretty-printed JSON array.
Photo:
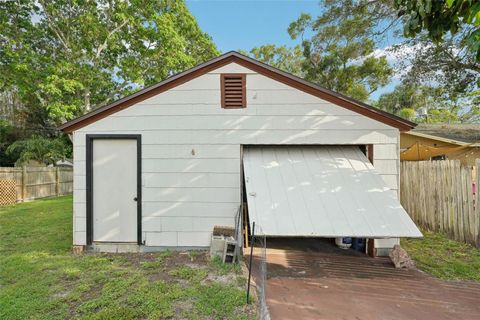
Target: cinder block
[
  {"x": 217, "y": 246},
  {"x": 78, "y": 249}
]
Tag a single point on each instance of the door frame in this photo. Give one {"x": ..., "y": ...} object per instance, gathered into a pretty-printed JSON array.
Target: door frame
[{"x": 89, "y": 175}]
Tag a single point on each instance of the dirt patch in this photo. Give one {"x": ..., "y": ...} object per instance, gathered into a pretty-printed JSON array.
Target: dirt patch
[{"x": 225, "y": 279}]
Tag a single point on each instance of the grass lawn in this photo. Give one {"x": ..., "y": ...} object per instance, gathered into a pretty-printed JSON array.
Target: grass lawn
[
  {"x": 444, "y": 258},
  {"x": 41, "y": 279}
]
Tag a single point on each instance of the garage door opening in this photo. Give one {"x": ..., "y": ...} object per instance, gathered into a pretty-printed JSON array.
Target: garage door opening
[{"x": 321, "y": 192}]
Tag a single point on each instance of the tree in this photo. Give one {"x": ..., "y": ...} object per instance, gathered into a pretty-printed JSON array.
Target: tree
[
  {"x": 442, "y": 17},
  {"x": 427, "y": 104},
  {"x": 8, "y": 134},
  {"x": 282, "y": 57},
  {"x": 66, "y": 57},
  {"x": 449, "y": 65},
  {"x": 335, "y": 52},
  {"x": 37, "y": 148}
]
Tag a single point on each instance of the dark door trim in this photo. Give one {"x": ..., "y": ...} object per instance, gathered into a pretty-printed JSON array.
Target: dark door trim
[{"x": 89, "y": 186}]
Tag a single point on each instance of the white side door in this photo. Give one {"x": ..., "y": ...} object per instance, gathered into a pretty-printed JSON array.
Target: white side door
[{"x": 114, "y": 190}]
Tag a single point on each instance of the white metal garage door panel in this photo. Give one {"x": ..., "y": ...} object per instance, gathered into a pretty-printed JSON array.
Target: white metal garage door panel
[
  {"x": 328, "y": 191},
  {"x": 114, "y": 178}
]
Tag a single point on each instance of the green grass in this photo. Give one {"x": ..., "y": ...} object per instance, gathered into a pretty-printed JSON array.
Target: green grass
[
  {"x": 41, "y": 279},
  {"x": 444, "y": 258}
]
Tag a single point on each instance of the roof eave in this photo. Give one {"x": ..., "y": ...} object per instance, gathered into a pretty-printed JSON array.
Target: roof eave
[{"x": 264, "y": 69}]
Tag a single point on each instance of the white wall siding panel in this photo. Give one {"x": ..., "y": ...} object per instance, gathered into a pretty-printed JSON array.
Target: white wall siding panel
[
  {"x": 191, "y": 149},
  {"x": 79, "y": 167},
  {"x": 386, "y": 166},
  {"x": 211, "y": 195},
  {"x": 191, "y": 180},
  {"x": 161, "y": 239},
  {"x": 80, "y": 209},
  {"x": 194, "y": 239},
  {"x": 386, "y": 152},
  {"x": 176, "y": 224},
  {"x": 151, "y": 224},
  {"x": 79, "y": 182},
  {"x": 232, "y": 68},
  {"x": 237, "y": 137},
  {"x": 190, "y": 209},
  {"x": 206, "y": 224},
  {"x": 81, "y": 224},
  {"x": 80, "y": 238},
  {"x": 320, "y": 108},
  {"x": 191, "y": 165},
  {"x": 239, "y": 122},
  {"x": 79, "y": 196},
  {"x": 155, "y": 151}
]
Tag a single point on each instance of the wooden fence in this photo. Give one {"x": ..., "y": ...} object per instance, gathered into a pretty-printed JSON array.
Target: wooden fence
[
  {"x": 439, "y": 196},
  {"x": 37, "y": 182}
]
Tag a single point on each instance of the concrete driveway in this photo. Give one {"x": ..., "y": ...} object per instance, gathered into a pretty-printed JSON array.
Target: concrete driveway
[{"x": 312, "y": 279}]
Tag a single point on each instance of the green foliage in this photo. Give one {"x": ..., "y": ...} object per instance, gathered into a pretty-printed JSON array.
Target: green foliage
[
  {"x": 336, "y": 51},
  {"x": 41, "y": 279},
  {"x": 407, "y": 113},
  {"x": 444, "y": 258},
  {"x": 441, "y": 17},
  {"x": 73, "y": 56},
  {"x": 439, "y": 107},
  {"x": 8, "y": 134},
  {"x": 282, "y": 57},
  {"x": 225, "y": 268},
  {"x": 43, "y": 150},
  {"x": 448, "y": 68},
  {"x": 220, "y": 302},
  {"x": 189, "y": 273},
  {"x": 339, "y": 54}
]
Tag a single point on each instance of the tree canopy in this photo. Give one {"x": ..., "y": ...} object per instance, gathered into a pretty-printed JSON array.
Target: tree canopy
[
  {"x": 335, "y": 50},
  {"x": 442, "y": 17},
  {"x": 344, "y": 49},
  {"x": 66, "y": 57},
  {"x": 61, "y": 59}
]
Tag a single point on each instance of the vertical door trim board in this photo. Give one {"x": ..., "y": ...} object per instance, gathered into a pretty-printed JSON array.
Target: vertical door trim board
[{"x": 89, "y": 176}]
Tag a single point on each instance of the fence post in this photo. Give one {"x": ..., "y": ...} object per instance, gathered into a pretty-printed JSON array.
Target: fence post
[
  {"x": 24, "y": 183},
  {"x": 477, "y": 201},
  {"x": 57, "y": 181},
  {"x": 252, "y": 242}
]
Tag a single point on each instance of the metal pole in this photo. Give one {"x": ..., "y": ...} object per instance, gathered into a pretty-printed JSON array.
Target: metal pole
[{"x": 252, "y": 242}]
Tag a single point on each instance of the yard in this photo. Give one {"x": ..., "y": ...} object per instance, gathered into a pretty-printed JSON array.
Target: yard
[
  {"x": 444, "y": 258},
  {"x": 41, "y": 279}
]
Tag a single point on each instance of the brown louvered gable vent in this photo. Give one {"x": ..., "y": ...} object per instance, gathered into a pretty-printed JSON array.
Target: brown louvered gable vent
[{"x": 233, "y": 88}]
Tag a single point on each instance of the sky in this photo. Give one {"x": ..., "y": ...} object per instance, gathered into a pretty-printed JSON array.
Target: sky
[{"x": 244, "y": 24}]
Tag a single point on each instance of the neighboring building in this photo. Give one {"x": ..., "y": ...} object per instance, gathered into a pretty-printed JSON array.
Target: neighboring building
[
  {"x": 441, "y": 141},
  {"x": 161, "y": 167}
]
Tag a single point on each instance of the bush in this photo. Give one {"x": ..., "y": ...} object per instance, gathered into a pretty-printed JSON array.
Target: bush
[{"x": 41, "y": 149}]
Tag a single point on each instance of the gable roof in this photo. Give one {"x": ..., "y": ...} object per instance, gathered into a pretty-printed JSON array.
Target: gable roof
[
  {"x": 463, "y": 133},
  {"x": 436, "y": 138},
  {"x": 254, "y": 65}
]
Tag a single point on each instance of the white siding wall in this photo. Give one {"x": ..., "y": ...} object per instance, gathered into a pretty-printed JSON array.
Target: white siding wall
[{"x": 185, "y": 193}]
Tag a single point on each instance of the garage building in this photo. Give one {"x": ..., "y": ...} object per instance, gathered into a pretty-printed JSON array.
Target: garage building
[{"x": 161, "y": 167}]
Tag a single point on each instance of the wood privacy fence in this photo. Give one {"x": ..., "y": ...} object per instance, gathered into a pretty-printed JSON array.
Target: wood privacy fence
[
  {"x": 35, "y": 182},
  {"x": 440, "y": 196}
]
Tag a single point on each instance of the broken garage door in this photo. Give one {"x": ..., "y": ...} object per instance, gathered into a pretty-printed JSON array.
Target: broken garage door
[{"x": 321, "y": 191}]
